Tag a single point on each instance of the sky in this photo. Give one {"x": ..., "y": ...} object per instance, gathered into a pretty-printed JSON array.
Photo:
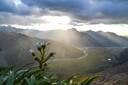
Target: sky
[{"x": 105, "y": 15}]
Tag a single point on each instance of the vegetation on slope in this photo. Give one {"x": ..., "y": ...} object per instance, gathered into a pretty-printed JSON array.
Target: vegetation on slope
[{"x": 38, "y": 75}]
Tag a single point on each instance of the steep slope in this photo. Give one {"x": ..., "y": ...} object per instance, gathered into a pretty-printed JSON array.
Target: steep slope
[
  {"x": 86, "y": 39},
  {"x": 15, "y": 48},
  {"x": 117, "y": 75},
  {"x": 72, "y": 37},
  {"x": 103, "y": 40},
  {"x": 122, "y": 41}
]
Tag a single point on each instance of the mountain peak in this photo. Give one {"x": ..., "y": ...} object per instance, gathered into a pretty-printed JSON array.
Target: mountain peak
[
  {"x": 90, "y": 31},
  {"x": 73, "y": 30}
]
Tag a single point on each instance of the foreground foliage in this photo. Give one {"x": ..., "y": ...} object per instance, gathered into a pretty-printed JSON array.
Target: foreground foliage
[{"x": 38, "y": 75}]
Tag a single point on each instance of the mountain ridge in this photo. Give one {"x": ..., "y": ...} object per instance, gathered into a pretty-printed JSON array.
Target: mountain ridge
[{"x": 74, "y": 37}]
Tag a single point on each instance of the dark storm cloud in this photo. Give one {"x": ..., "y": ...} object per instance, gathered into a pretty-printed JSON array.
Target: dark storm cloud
[
  {"x": 10, "y": 6},
  {"x": 86, "y": 11},
  {"x": 93, "y": 11},
  {"x": 62, "y": 5},
  {"x": 6, "y": 7}
]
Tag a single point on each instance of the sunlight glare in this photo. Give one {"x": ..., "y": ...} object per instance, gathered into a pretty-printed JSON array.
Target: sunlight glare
[{"x": 57, "y": 19}]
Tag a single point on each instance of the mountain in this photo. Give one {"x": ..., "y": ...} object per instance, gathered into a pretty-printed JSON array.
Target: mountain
[
  {"x": 83, "y": 39},
  {"x": 15, "y": 49},
  {"x": 88, "y": 53},
  {"x": 101, "y": 53},
  {"x": 76, "y": 38},
  {"x": 117, "y": 75}
]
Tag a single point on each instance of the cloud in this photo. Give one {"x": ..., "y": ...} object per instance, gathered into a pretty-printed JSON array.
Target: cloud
[
  {"x": 10, "y": 19},
  {"x": 88, "y": 11},
  {"x": 81, "y": 11},
  {"x": 14, "y": 6},
  {"x": 5, "y": 6},
  {"x": 62, "y": 5}
]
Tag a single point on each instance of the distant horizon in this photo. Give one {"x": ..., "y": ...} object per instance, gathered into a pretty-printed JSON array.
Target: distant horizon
[{"x": 95, "y": 28}]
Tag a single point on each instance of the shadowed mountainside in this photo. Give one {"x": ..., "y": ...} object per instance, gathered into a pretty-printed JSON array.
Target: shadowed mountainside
[
  {"x": 15, "y": 48},
  {"x": 75, "y": 38}
]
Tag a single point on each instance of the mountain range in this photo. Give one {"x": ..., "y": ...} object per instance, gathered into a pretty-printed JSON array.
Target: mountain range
[
  {"x": 74, "y": 37},
  {"x": 103, "y": 53},
  {"x": 69, "y": 45}
]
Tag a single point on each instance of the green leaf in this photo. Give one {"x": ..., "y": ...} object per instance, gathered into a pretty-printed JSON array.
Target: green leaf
[
  {"x": 11, "y": 78},
  {"x": 31, "y": 81},
  {"x": 89, "y": 81}
]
